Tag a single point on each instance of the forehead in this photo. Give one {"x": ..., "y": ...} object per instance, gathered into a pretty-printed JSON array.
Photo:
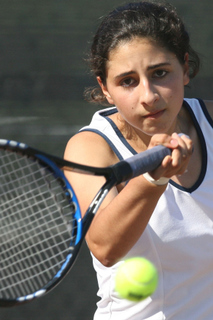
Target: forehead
[{"x": 141, "y": 50}]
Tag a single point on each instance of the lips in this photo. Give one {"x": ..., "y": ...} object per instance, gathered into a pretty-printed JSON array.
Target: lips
[{"x": 154, "y": 115}]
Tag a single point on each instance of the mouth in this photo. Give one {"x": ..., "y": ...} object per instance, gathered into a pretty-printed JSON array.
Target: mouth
[{"x": 154, "y": 115}]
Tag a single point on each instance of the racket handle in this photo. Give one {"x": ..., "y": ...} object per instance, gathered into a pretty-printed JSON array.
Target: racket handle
[{"x": 140, "y": 163}]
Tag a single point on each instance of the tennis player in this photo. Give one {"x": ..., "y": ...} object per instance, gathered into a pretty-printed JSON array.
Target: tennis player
[{"x": 142, "y": 59}]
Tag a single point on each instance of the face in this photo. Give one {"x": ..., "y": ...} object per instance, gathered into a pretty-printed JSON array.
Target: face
[{"x": 146, "y": 83}]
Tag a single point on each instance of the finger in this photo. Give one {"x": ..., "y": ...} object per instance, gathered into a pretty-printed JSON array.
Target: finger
[
  {"x": 183, "y": 137},
  {"x": 188, "y": 141},
  {"x": 163, "y": 139},
  {"x": 176, "y": 164},
  {"x": 185, "y": 144}
]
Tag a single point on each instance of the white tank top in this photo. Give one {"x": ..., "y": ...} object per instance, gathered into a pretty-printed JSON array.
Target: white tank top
[{"x": 178, "y": 238}]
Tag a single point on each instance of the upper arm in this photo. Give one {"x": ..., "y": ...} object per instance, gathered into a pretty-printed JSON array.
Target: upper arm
[{"x": 88, "y": 148}]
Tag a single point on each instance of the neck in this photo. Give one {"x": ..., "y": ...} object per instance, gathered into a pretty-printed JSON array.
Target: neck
[{"x": 140, "y": 141}]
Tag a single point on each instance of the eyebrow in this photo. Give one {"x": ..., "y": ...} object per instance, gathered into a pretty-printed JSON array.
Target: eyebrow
[
  {"x": 155, "y": 66},
  {"x": 121, "y": 75}
]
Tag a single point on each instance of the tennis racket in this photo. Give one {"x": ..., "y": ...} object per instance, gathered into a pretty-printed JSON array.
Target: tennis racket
[{"x": 41, "y": 228}]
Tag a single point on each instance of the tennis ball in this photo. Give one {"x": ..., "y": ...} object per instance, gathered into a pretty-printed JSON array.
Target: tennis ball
[{"x": 136, "y": 279}]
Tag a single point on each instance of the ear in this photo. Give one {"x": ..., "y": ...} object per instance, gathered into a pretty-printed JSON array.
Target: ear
[
  {"x": 186, "y": 69},
  {"x": 105, "y": 91}
]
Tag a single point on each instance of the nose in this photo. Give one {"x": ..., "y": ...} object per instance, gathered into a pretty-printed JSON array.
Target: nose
[{"x": 148, "y": 93}]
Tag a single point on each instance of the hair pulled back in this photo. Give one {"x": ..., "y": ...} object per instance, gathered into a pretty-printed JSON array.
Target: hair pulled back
[{"x": 157, "y": 21}]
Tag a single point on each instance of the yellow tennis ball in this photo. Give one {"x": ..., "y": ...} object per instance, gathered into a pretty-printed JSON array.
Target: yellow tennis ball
[{"x": 136, "y": 279}]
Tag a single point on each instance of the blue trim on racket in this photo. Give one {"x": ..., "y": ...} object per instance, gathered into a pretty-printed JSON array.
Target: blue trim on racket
[{"x": 51, "y": 168}]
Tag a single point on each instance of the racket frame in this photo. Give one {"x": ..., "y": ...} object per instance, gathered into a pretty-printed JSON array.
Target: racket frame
[{"x": 114, "y": 175}]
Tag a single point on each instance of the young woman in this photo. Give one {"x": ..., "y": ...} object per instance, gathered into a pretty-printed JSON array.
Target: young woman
[{"x": 142, "y": 59}]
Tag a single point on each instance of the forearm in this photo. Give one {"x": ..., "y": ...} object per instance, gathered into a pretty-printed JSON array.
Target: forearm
[{"x": 117, "y": 227}]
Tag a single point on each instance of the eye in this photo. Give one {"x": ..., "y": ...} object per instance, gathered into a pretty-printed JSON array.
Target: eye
[
  {"x": 128, "y": 82},
  {"x": 160, "y": 73}
]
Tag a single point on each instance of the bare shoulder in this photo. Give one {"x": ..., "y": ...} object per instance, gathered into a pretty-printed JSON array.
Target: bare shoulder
[
  {"x": 91, "y": 149},
  {"x": 209, "y": 106}
]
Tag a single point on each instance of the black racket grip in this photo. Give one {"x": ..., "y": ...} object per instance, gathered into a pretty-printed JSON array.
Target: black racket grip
[{"x": 140, "y": 163}]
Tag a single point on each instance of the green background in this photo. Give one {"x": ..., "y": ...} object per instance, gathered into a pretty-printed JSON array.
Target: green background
[{"x": 43, "y": 74}]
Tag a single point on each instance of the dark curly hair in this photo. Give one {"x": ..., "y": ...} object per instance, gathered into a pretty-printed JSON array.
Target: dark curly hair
[{"x": 147, "y": 19}]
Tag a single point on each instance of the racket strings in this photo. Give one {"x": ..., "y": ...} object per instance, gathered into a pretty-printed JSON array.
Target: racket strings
[{"x": 36, "y": 230}]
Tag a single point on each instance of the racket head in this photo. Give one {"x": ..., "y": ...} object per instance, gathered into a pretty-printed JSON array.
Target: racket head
[{"x": 40, "y": 224}]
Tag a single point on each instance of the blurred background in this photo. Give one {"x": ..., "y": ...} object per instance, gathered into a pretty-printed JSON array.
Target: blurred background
[{"x": 43, "y": 45}]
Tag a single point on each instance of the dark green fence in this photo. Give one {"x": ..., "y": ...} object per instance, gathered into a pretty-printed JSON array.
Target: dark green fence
[{"x": 43, "y": 44}]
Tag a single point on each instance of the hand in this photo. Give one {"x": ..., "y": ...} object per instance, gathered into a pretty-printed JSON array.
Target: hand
[{"x": 176, "y": 164}]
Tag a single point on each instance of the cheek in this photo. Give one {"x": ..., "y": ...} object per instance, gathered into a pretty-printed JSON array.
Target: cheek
[
  {"x": 123, "y": 100},
  {"x": 174, "y": 89},
  {"x": 125, "y": 105}
]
